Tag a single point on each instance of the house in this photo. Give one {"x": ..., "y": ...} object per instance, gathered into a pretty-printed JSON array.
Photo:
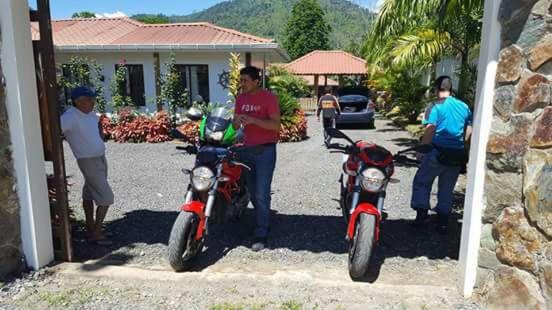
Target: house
[{"x": 201, "y": 52}]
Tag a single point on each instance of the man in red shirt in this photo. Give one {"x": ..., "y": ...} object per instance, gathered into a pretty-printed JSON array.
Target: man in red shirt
[{"x": 258, "y": 112}]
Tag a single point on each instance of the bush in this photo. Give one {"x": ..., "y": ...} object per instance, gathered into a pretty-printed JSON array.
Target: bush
[
  {"x": 131, "y": 127},
  {"x": 189, "y": 131},
  {"x": 295, "y": 131}
]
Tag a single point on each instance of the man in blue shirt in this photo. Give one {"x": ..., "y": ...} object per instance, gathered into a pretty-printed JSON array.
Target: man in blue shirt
[{"x": 448, "y": 124}]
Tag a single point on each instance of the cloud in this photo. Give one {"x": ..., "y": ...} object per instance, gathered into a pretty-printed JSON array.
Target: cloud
[{"x": 111, "y": 15}]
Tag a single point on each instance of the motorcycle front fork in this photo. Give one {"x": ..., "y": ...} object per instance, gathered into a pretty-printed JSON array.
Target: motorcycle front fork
[
  {"x": 210, "y": 198},
  {"x": 355, "y": 198}
]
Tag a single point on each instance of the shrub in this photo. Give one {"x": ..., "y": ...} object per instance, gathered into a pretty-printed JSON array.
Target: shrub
[
  {"x": 139, "y": 128},
  {"x": 294, "y": 131},
  {"x": 189, "y": 131},
  {"x": 107, "y": 126}
]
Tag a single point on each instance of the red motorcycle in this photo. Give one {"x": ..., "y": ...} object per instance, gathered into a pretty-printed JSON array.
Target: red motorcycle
[{"x": 367, "y": 172}]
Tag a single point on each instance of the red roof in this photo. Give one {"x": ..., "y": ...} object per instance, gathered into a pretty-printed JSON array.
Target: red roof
[
  {"x": 327, "y": 63},
  {"x": 125, "y": 31}
]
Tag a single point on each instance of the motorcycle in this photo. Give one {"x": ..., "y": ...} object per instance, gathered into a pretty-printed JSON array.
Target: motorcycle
[
  {"x": 367, "y": 171},
  {"x": 216, "y": 191}
]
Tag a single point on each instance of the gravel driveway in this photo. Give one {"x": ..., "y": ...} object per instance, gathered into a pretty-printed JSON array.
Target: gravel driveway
[{"x": 307, "y": 227}]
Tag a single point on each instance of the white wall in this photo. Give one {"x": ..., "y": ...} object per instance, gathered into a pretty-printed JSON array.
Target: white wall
[
  {"x": 25, "y": 132},
  {"x": 216, "y": 62}
]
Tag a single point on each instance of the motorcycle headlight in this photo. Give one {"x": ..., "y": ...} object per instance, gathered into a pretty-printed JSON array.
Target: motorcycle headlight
[
  {"x": 216, "y": 136},
  {"x": 372, "y": 180},
  {"x": 202, "y": 178}
]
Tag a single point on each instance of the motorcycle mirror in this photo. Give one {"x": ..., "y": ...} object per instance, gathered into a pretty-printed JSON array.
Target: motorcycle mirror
[
  {"x": 194, "y": 114},
  {"x": 337, "y": 134}
]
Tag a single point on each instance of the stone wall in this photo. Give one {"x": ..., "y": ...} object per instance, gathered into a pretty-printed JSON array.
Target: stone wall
[
  {"x": 10, "y": 239},
  {"x": 516, "y": 250}
]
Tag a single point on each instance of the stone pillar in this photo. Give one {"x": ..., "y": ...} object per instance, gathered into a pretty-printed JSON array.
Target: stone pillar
[
  {"x": 11, "y": 255},
  {"x": 516, "y": 246}
]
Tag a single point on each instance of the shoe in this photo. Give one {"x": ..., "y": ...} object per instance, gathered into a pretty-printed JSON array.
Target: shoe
[
  {"x": 442, "y": 223},
  {"x": 422, "y": 217},
  {"x": 258, "y": 244}
]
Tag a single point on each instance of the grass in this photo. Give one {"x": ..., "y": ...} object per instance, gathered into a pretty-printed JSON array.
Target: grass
[
  {"x": 78, "y": 296},
  {"x": 288, "y": 305},
  {"x": 291, "y": 305}
]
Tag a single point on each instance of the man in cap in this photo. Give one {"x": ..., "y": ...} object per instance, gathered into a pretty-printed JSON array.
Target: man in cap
[{"x": 81, "y": 127}]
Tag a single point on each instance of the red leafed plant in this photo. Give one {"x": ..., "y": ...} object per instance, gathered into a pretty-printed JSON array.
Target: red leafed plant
[
  {"x": 138, "y": 128},
  {"x": 107, "y": 126},
  {"x": 189, "y": 131},
  {"x": 295, "y": 131}
]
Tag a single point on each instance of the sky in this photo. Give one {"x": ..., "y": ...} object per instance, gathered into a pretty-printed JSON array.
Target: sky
[{"x": 113, "y": 8}]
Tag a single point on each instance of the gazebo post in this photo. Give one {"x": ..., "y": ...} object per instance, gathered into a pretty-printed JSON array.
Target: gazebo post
[
  {"x": 316, "y": 87},
  {"x": 340, "y": 80},
  {"x": 325, "y": 80}
]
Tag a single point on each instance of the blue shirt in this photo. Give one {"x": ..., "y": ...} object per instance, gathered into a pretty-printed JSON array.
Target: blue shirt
[{"x": 450, "y": 118}]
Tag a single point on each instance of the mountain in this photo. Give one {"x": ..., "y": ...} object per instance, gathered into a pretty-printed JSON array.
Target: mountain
[{"x": 267, "y": 18}]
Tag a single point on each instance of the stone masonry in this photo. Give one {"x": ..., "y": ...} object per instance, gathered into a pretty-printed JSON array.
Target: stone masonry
[
  {"x": 515, "y": 256},
  {"x": 10, "y": 239}
]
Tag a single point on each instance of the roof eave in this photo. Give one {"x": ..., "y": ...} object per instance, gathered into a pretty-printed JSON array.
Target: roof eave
[{"x": 169, "y": 47}]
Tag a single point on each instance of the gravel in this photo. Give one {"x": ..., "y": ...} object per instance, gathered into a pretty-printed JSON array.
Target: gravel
[{"x": 307, "y": 226}]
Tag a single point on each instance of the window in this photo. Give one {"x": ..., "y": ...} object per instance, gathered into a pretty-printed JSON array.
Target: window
[
  {"x": 134, "y": 83},
  {"x": 195, "y": 78}
]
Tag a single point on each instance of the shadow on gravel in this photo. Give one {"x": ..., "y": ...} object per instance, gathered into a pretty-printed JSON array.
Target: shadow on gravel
[
  {"x": 310, "y": 233},
  {"x": 390, "y": 130},
  {"x": 406, "y": 142},
  {"x": 139, "y": 226}
]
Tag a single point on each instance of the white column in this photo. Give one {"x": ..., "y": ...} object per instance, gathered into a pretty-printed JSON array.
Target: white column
[
  {"x": 475, "y": 196},
  {"x": 24, "y": 122}
]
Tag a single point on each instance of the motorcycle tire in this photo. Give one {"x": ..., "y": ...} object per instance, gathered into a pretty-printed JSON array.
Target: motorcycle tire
[
  {"x": 183, "y": 247},
  {"x": 362, "y": 245}
]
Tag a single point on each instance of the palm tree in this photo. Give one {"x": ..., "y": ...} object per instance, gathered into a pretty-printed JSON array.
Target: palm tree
[{"x": 418, "y": 32}]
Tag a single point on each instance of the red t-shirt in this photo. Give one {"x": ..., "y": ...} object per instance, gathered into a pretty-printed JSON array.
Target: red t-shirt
[{"x": 259, "y": 105}]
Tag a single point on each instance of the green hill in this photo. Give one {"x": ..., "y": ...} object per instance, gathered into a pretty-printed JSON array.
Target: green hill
[{"x": 267, "y": 18}]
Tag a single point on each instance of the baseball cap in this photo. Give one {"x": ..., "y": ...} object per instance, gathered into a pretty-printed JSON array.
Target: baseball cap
[
  {"x": 82, "y": 91},
  {"x": 443, "y": 83}
]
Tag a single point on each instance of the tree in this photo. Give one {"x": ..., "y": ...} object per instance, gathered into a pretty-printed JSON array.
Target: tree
[
  {"x": 83, "y": 71},
  {"x": 83, "y": 14},
  {"x": 306, "y": 30},
  {"x": 173, "y": 92},
  {"x": 151, "y": 18},
  {"x": 418, "y": 33},
  {"x": 119, "y": 95}
]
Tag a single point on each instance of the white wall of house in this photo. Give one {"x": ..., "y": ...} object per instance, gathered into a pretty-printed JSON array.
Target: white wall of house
[{"x": 216, "y": 62}]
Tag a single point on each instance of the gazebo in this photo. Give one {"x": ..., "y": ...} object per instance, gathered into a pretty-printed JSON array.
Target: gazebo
[{"x": 323, "y": 63}]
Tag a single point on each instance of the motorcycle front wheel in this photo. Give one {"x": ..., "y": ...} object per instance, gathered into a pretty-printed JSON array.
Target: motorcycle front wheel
[
  {"x": 362, "y": 245},
  {"x": 183, "y": 246}
]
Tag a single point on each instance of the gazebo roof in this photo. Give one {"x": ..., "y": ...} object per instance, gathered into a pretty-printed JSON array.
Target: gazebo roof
[{"x": 327, "y": 63}]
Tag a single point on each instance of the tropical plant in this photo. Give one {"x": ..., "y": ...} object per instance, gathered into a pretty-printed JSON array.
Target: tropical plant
[
  {"x": 83, "y": 71},
  {"x": 409, "y": 94},
  {"x": 119, "y": 95},
  {"x": 281, "y": 80},
  {"x": 234, "y": 75},
  {"x": 418, "y": 33},
  {"x": 306, "y": 30},
  {"x": 173, "y": 92}
]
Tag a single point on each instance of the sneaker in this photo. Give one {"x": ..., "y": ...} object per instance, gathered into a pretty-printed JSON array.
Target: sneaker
[
  {"x": 422, "y": 217},
  {"x": 442, "y": 223},
  {"x": 258, "y": 244}
]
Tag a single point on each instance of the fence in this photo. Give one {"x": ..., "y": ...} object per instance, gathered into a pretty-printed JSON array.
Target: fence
[{"x": 308, "y": 104}]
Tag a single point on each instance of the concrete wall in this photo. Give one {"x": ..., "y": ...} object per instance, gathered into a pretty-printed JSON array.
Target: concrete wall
[
  {"x": 10, "y": 238},
  {"x": 217, "y": 62},
  {"x": 515, "y": 256}
]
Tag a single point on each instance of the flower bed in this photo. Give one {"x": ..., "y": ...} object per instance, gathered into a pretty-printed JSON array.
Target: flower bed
[{"x": 132, "y": 127}]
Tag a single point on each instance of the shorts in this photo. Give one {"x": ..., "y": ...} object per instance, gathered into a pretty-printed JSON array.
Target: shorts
[{"x": 96, "y": 187}]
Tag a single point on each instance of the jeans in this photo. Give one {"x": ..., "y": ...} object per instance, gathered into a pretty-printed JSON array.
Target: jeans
[
  {"x": 429, "y": 169},
  {"x": 262, "y": 161}
]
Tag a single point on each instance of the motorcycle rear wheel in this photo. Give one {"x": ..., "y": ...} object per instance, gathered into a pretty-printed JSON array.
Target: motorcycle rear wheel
[
  {"x": 183, "y": 247},
  {"x": 362, "y": 246}
]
